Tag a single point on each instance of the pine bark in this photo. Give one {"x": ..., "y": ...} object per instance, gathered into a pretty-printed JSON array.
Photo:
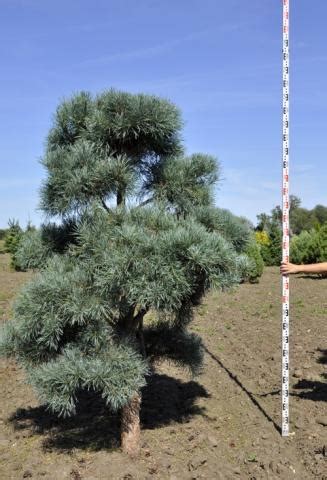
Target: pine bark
[
  {"x": 130, "y": 415},
  {"x": 130, "y": 426}
]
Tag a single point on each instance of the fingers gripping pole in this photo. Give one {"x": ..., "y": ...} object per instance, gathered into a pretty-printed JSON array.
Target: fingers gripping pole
[{"x": 285, "y": 209}]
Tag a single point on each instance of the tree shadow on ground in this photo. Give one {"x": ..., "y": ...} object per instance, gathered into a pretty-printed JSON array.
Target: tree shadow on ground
[
  {"x": 323, "y": 358},
  {"x": 250, "y": 395},
  {"x": 313, "y": 277},
  {"x": 164, "y": 400},
  {"x": 314, "y": 389}
]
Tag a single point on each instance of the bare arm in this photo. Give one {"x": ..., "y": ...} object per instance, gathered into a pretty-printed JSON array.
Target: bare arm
[{"x": 288, "y": 268}]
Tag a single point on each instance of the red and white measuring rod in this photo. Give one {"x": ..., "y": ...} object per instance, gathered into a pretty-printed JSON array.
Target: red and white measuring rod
[{"x": 285, "y": 209}]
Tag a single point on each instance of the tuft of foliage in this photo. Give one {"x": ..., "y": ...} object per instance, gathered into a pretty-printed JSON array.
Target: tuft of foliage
[
  {"x": 98, "y": 147},
  {"x": 70, "y": 121},
  {"x": 262, "y": 238},
  {"x": 299, "y": 247},
  {"x": 320, "y": 213},
  {"x": 35, "y": 247},
  {"x": 82, "y": 172},
  {"x": 12, "y": 239},
  {"x": 117, "y": 373},
  {"x": 57, "y": 238},
  {"x": 309, "y": 247},
  {"x": 222, "y": 221},
  {"x": 319, "y": 250},
  {"x": 254, "y": 254},
  {"x": 239, "y": 232},
  {"x": 270, "y": 240},
  {"x": 12, "y": 236},
  {"x": 31, "y": 252},
  {"x": 246, "y": 267},
  {"x": 183, "y": 183}
]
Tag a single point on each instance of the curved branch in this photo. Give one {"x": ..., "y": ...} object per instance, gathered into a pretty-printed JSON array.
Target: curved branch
[
  {"x": 105, "y": 206},
  {"x": 149, "y": 200}
]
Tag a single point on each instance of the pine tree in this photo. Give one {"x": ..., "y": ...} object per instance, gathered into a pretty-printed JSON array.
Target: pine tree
[{"x": 139, "y": 234}]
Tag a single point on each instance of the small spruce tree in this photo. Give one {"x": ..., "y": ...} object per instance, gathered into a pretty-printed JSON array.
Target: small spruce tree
[
  {"x": 143, "y": 236},
  {"x": 12, "y": 236}
]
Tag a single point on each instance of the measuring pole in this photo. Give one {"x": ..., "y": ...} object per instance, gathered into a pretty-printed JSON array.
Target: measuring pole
[{"x": 285, "y": 209}]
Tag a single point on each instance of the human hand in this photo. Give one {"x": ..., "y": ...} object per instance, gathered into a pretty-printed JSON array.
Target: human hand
[{"x": 287, "y": 268}]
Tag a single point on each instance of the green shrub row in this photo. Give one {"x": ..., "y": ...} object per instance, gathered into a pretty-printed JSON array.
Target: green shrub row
[
  {"x": 310, "y": 247},
  {"x": 307, "y": 247}
]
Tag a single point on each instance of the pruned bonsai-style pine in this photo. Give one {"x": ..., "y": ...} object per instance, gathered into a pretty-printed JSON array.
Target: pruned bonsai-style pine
[{"x": 135, "y": 232}]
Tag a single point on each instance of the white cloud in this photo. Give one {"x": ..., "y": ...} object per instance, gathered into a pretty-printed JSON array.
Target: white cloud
[
  {"x": 146, "y": 52},
  {"x": 302, "y": 168},
  {"x": 18, "y": 182},
  {"x": 160, "y": 48}
]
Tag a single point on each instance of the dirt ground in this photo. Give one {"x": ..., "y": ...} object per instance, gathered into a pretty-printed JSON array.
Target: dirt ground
[{"x": 223, "y": 424}]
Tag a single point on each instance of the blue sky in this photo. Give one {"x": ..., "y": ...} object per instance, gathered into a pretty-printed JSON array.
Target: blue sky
[{"x": 219, "y": 61}]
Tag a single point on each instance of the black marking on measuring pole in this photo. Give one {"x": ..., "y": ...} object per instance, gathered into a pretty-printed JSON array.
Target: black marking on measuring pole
[{"x": 285, "y": 210}]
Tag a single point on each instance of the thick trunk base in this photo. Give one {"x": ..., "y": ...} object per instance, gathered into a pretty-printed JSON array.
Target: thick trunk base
[{"x": 130, "y": 426}]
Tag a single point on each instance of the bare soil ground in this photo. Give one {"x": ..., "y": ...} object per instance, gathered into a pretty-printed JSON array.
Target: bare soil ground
[{"x": 222, "y": 425}]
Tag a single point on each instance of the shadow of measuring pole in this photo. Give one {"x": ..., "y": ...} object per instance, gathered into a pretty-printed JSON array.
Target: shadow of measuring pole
[{"x": 245, "y": 390}]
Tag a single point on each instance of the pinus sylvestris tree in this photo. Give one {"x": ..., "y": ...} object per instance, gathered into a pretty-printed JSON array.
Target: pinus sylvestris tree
[{"x": 146, "y": 237}]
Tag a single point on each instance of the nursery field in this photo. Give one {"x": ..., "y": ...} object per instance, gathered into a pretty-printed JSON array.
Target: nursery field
[{"x": 221, "y": 425}]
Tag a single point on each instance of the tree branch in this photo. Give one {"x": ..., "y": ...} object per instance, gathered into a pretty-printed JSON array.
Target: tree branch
[
  {"x": 149, "y": 200},
  {"x": 120, "y": 198},
  {"x": 141, "y": 338},
  {"x": 105, "y": 206},
  {"x": 138, "y": 319}
]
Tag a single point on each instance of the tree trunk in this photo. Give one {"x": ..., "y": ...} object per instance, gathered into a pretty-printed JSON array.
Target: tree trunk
[
  {"x": 120, "y": 197},
  {"x": 130, "y": 426},
  {"x": 130, "y": 415},
  {"x": 141, "y": 338}
]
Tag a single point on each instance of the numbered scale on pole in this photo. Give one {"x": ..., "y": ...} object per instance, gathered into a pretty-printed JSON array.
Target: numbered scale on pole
[{"x": 285, "y": 210}]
